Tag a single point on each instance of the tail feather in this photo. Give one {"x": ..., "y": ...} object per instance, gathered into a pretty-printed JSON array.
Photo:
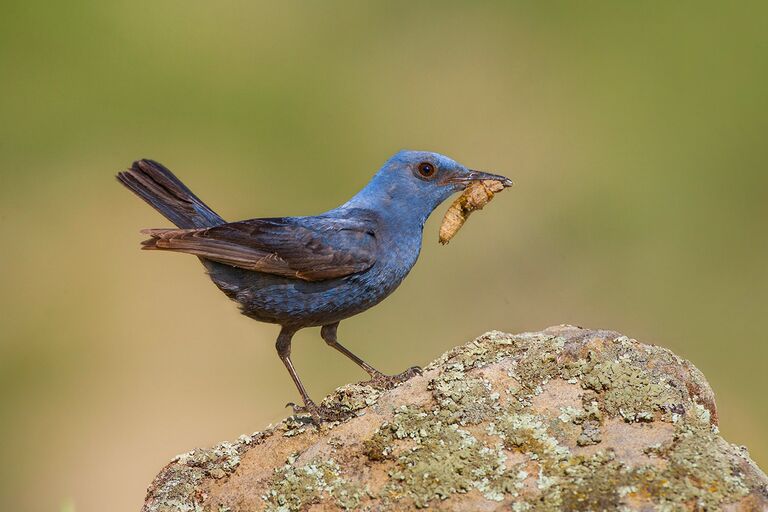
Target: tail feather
[
  {"x": 160, "y": 236},
  {"x": 167, "y": 194}
]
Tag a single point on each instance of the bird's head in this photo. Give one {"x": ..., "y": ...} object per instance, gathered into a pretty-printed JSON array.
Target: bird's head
[{"x": 416, "y": 182}]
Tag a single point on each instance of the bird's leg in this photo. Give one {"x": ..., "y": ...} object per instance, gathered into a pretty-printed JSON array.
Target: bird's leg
[
  {"x": 283, "y": 346},
  {"x": 318, "y": 413},
  {"x": 328, "y": 333},
  {"x": 378, "y": 379}
]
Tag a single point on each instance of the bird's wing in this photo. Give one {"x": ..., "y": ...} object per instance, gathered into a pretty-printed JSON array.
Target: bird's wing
[{"x": 308, "y": 248}]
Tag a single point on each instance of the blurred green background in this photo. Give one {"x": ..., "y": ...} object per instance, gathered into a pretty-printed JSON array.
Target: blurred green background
[{"x": 635, "y": 133}]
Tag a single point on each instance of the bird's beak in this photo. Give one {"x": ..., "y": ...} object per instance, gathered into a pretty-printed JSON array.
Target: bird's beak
[{"x": 480, "y": 176}]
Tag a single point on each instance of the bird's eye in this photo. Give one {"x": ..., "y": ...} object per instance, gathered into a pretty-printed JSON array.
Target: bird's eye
[{"x": 426, "y": 169}]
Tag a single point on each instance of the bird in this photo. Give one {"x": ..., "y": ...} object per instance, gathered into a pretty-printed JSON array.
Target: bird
[{"x": 310, "y": 271}]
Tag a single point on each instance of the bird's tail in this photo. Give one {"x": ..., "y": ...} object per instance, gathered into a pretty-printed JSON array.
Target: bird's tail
[{"x": 167, "y": 194}]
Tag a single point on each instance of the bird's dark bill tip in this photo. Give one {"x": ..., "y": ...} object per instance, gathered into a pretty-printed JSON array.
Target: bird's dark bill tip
[{"x": 479, "y": 175}]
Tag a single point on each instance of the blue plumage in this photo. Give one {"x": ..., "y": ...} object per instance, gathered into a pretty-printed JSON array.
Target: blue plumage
[{"x": 310, "y": 271}]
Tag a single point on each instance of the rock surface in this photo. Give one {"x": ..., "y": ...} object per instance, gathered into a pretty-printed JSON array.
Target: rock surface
[{"x": 563, "y": 419}]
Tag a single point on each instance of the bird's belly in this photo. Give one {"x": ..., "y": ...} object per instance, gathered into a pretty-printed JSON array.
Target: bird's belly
[{"x": 284, "y": 301}]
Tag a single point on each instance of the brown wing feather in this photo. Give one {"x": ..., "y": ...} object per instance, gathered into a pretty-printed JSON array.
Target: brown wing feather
[{"x": 308, "y": 248}]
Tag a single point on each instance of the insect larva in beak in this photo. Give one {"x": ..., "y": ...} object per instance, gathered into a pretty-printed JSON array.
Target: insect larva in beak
[{"x": 475, "y": 197}]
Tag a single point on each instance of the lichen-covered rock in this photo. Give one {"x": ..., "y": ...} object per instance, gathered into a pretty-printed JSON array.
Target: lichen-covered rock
[{"x": 564, "y": 419}]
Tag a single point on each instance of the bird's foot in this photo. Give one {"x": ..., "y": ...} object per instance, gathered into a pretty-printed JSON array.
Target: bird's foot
[
  {"x": 318, "y": 414},
  {"x": 381, "y": 381}
]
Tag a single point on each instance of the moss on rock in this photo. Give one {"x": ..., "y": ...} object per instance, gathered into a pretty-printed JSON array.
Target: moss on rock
[
  {"x": 564, "y": 419},
  {"x": 296, "y": 487}
]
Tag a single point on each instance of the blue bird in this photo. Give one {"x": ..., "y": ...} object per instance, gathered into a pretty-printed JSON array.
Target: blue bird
[{"x": 312, "y": 271}]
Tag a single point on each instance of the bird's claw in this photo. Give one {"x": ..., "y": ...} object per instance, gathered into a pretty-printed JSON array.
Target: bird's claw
[
  {"x": 318, "y": 414},
  {"x": 413, "y": 371},
  {"x": 382, "y": 381}
]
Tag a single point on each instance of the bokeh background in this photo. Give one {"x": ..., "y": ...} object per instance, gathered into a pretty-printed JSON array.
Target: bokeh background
[{"x": 635, "y": 133}]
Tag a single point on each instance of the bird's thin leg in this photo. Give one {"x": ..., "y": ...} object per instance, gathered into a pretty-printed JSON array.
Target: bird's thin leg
[
  {"x": 328, "y": 333},
  {"x": 318, "y": 413},
  {"x": 283, "y": 346}
]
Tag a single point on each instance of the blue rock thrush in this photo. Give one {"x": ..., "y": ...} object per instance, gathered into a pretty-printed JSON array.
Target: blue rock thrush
[{"x": 310, "y": 271}]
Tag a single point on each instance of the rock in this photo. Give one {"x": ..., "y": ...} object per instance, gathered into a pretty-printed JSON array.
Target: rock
[{"x": 563, "y": 419}]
